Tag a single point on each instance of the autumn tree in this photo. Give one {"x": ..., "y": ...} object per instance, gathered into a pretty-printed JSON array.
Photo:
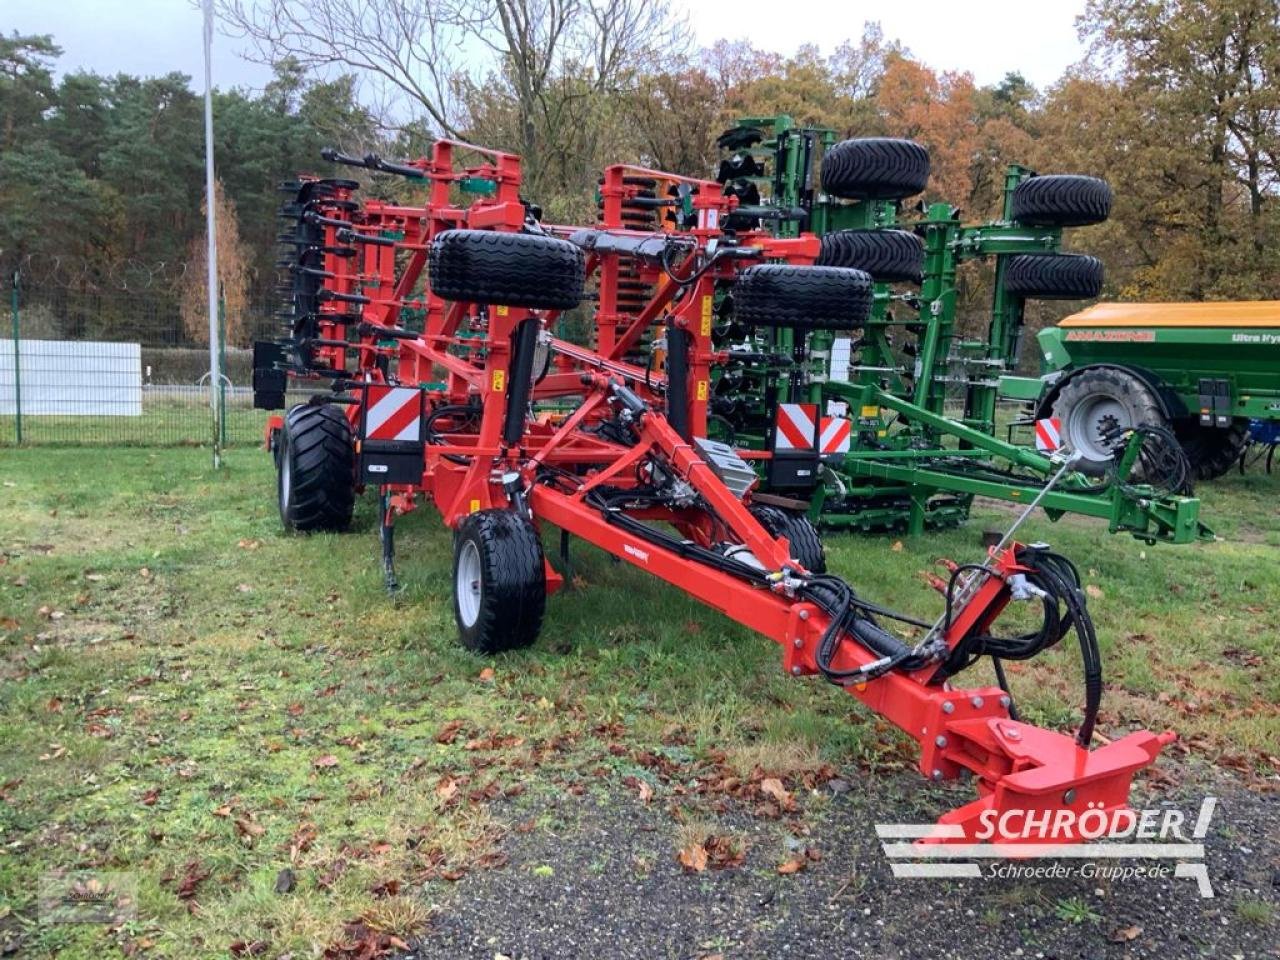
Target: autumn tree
[{"x": 234, "y": 269}]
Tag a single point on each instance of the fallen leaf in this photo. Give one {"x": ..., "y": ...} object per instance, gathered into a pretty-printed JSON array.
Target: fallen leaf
[
  {"x": 693, "y": 858},
  {"x": 222, "y": 811},
  {"x": 150, "y": 797},
  {"x": 1125, "y": 934},
  {"x": 294, "y": 709},
  {"x": 1094, "y": 591},
  {"x": 328, "y": 760},
  {"x": 487, "y": 675},
  {"x": 449, "y": 732},
  {"x": 897, "y": 546},
  {"x": 772, "y": 787},
  {"x": 247, "y": 828},
  {"x": 794, "y": 865},
  {"x": 446, "y": 789},
  {"x": 645, "y": 791}
]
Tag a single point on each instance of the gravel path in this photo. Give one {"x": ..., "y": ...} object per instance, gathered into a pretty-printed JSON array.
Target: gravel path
[{"x": 605, "y": 884}]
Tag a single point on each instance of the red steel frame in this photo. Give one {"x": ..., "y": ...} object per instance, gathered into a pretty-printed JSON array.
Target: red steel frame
[{"x": 1016, "y": 766}]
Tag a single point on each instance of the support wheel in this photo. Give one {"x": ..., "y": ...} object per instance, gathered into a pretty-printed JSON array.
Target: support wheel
[
  {"x": 512, "y": 269},
  {"x": 1095, "y": 405},
  {"x": 316, "y": 482},
  {"x": 1061, "y": 200},
  {"x": 875, "y": 168},
  {"x": 1213, "y": 451},
  {"x": 802, "y": 298},
  {"x": 499, "y": 581},
  {"x": 892, "y": 256},
  {"x": 1054, "y": 276},
  {"x": 806, "y": 546}
]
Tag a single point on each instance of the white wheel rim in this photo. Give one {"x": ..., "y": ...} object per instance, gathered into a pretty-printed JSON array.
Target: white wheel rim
[
  {"x": 1090, "y": 419},
  {"x": 286, "y": 481},
  {"x": 467, "y": 584}
]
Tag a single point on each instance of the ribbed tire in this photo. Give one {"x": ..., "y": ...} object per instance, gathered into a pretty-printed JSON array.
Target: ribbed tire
[
  {"x": 891, "y": 256},
  {"x": 1054, "y": 276},
  {"x": 1061, "y": 200},
  {"x": 1098, "y": 400},
  {"x": 875, "y": 168},
  {"x": 806, "y": 545},
  {"x": 802, "y": 298},
  {"x": 316, "y": 479},
  {"x": 1212, "y": 451},
  {"x": 500, "y": 586},
  {"x": 511, "y": 269}
]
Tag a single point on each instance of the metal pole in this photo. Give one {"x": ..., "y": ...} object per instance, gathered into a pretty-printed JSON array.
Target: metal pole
[
  {"x": 215, "y": 373},
  {"x": 17, "y": 364},
  {"x": 222, "y": 365}
]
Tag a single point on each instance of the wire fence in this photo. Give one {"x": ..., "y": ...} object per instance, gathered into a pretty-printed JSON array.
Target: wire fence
[{"x": 108, "y": 358}]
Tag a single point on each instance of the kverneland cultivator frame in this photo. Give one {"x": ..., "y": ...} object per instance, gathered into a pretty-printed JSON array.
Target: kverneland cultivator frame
[{"x": 506, "y": 429}]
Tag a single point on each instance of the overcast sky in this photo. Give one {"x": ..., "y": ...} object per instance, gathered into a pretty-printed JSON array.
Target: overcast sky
[{"x": 985, "y": 37}]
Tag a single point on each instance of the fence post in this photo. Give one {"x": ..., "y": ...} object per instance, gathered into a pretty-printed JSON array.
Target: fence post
[{"x": 17, "y": 364}]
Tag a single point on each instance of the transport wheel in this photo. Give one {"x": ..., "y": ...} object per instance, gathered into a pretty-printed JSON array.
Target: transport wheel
[
  {"x": 499, "y": 581},
  {"x": 316, "y": 482},
  {"x": 1098, "y": 402},
  {"x": 512, "y": 269},
  {"x": 1054, "y": 276},
  {"x": 803, "y": 298},
  {"x": 806, "y": 545},
  {"x": 1061, "y": 200},
  {"x": 875, "y": 168},
  {"x": 888, "y": 255},
  {"x": 1213, "y": 451}
]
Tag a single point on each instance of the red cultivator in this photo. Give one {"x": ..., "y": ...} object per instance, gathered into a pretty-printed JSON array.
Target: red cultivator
[{"x": 506, "y": 428}]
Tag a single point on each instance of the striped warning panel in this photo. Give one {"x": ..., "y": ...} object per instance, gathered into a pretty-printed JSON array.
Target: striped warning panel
[
  {"x": 837, "y": 433},
  {"x": 796, "y": 426},
  {"x": 1048, "y": 434},
  {"x": 393, "y": 413}
]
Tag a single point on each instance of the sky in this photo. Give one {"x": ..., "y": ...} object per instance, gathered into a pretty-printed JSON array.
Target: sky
[{"x": 988, "y": 38}]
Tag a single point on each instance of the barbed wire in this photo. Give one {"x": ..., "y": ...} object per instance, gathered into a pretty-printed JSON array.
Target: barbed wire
[{"x": 91, "y": 276}]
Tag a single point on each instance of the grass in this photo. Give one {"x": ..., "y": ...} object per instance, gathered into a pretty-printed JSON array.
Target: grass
[{"x": 192, "y": 697}]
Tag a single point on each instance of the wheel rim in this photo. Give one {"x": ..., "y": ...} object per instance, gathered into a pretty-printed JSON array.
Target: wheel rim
[
  {"x": 467, "y": 585},
  {"x": 286, "y": 481},
  {"x": 1090, "y": 420}
]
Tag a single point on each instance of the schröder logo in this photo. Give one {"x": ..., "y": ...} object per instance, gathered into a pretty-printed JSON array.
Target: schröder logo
[{"x": 1171, "y": 837}]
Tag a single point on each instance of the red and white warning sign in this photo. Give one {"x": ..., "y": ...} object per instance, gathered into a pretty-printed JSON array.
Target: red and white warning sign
[
  {"x": 1048, "y": 434},
  {"x": 796, "y": 427},
  {"x": 393, "y": 413},
  {"x": 836, "y": 434}
]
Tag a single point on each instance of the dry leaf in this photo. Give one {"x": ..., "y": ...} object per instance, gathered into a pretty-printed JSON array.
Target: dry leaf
[
  {"x": 1125, "y": 934},
  {"x": 693, "y": 858},
  {"x": 446, "y": 789},
  {"x": 645, "y": 791},
  {"x": 794, "y": 865},
  {"x": 1094, "y": 591},
  {"x": 222, "y": 811},
  {"x": 247, "y": 828},
  {"x": 897, "y": 546},
  {"x": 449, "y": 732},
  {"x": 328, "y": 760},
  {"x": 486, "y": 675},
  {"x": 772, "y": 787}
]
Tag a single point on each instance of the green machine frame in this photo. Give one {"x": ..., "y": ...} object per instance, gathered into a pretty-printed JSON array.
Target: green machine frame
[{"x": 911, "y": 466}]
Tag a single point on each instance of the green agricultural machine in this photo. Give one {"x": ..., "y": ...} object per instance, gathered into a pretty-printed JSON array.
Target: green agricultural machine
[
  {"x": 1210, "y": 372},
  {"x": 907, "y": 461}
]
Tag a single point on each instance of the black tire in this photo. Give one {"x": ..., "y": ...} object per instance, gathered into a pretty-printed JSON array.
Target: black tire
[
  {"x": 891, "y": 256},
  {"x": 875, "y": 168},
  {"x": 1054, "y": 276},
  {"x": 806, "y": 545},
  {"x": 1213, "y": 451},
  {"x": 1096, "y": 401},
  {"x": 1061, "y": 200},
  {"x": 316, "y": 482},
  {"x": 511, "y": 269},
  {"x": 802, "y": 298},
  {"x": 500, "y": 605}
]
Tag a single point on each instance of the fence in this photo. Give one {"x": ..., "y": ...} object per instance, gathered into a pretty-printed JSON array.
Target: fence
[{"x": 108, "y": 360}]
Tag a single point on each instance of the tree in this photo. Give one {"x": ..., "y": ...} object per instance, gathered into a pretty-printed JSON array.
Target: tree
[
  {"x": 234, "y": 267},
  {"x": 26, "y": 84}
]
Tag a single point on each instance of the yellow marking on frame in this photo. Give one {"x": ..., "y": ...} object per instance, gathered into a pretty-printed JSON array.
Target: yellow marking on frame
[
  {"x": 706, "y": 315},
  {"x": 502, "y": 311},
  {"x": 871, "y": 411},
  {"x": 499, "y": 381},
  {"x": 474, "y": 506},
  {"x": 702, "y": 390}
]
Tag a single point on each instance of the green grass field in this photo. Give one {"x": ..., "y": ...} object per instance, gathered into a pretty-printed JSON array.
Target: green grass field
[{"x": 190, "y": 696}]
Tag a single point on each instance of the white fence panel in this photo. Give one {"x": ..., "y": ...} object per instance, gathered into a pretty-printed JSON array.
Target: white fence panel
[{"x": 72, "y": 378}]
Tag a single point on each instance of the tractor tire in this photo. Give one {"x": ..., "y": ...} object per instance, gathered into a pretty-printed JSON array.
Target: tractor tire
[
  {"x": 1054, "y": 276},
  {"x": 1097, "y": 401},
  {"x": 1212, "y": 451},
  {"x": 510, "y": 269},
  {"x": 802, "y": 298},
  {"x": 888, "y": 255},
  {"x": 316, "y": 482},
  {"x": 806, "y": 545},
  {"x": 499, "y": 581},
  {"x": 875, "y": 168},
  {"x": 1061, "y": 200}
]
